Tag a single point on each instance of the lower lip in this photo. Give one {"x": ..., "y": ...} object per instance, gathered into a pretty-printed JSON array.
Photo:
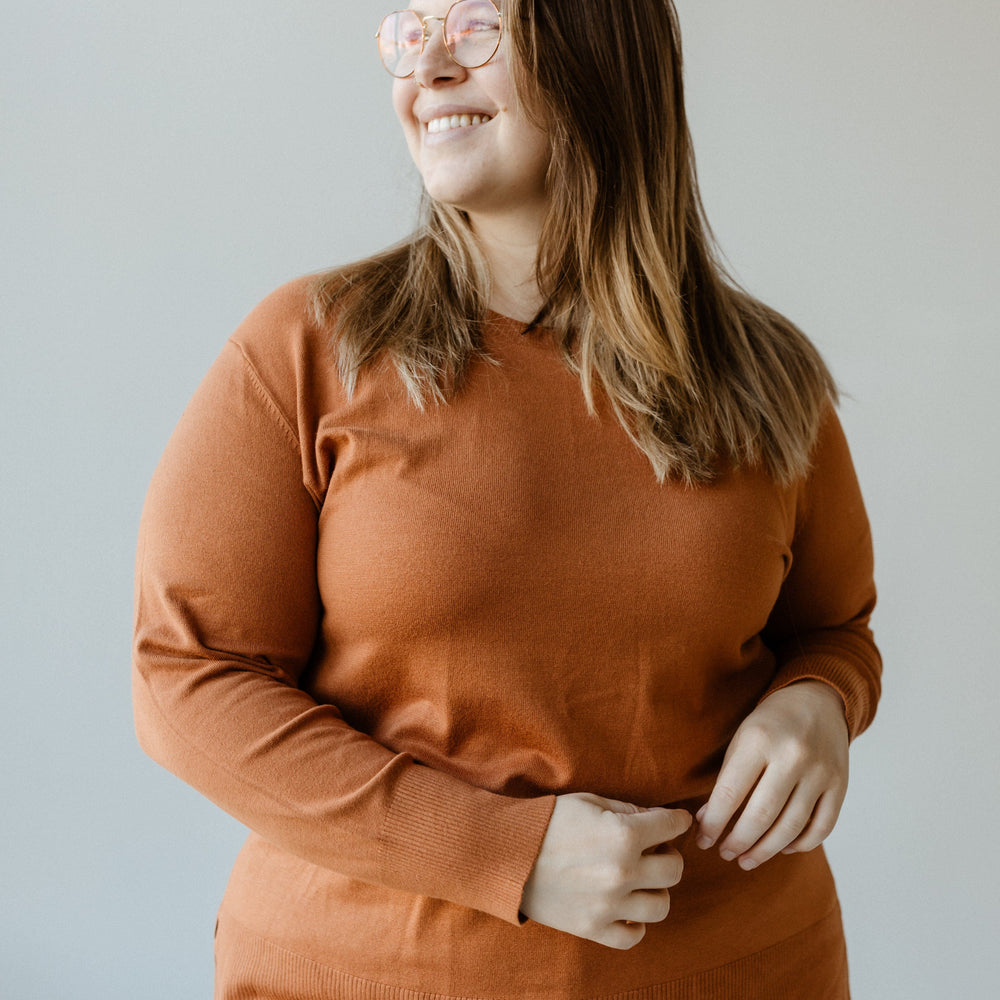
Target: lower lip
[{"x": 453, "y": 133}]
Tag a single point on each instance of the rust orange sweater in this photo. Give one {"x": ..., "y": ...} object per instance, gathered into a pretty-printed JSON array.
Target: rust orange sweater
[{"x": 384, "y": 639}]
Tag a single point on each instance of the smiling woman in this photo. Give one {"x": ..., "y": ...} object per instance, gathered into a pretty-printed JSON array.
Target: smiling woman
[
  {"x": 487, "y": 169},
  {"x": 497, "y": 733}
]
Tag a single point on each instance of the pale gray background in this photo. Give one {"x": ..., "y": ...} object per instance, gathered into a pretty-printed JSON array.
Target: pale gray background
[{"x": 165, "y": 165}]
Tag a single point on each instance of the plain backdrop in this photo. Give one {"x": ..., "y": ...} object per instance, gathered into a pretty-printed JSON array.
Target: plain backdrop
[{"x": 164, "y": 166}]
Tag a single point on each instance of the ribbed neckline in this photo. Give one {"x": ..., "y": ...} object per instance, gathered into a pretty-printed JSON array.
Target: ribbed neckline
[{"x": 507, "y": 323}]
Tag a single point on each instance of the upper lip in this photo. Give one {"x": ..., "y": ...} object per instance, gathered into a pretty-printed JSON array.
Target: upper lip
[{"x": 447, "y": 110}]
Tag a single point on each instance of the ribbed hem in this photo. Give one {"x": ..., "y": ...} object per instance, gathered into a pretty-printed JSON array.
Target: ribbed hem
[
  {"x": 809, "y": 965},
  {"x": 476, "y": 849}
]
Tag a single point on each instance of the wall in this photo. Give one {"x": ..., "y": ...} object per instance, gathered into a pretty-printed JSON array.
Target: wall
[{"x": 164, "y": 166}]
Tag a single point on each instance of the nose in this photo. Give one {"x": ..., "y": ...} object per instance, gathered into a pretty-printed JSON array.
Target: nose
[{"x": 434, "y": 64}]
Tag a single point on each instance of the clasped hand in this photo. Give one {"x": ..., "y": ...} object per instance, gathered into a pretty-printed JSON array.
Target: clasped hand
[
  {"x": 604, "y": 870},
  {"x": 787, "y": 768}
]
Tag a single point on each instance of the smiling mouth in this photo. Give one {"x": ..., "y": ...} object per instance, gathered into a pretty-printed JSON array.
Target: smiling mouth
[{"x": 438, "y": 125}]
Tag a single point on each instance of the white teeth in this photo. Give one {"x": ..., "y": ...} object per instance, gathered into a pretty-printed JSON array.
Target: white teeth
[{"x": 455, "y": 121}]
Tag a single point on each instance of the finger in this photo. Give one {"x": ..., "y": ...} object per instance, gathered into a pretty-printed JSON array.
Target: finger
[
  {"x": 765, "y": 805},
  {"x": 658, "y": 871},
  {"x": 622, "y": 934},
  {"x": 739, "y": 773},
  {"x": 821, "y": 824},
  {"x": 794, "y": 818},
  {"x": 657, "y": 826},
  {"x": 612, "y": 805},
  {"x": 645, "y": 907}
]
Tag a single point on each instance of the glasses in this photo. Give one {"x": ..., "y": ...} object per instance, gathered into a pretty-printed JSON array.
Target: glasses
[{"x": 471, "y": 31}]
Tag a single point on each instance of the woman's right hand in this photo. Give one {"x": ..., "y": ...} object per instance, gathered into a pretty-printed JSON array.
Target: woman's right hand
[{"x": 597, "y": 875}]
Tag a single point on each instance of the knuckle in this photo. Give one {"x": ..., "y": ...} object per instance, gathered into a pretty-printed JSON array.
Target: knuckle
[
  {"x": 824, "y": 828},
  {"x": 678, "y": 824},
  {"x": 613, "y": 875},
  {"x": 819, "y": 781},
  {"x": 676, "y": 869},
  {"x": 592, "y": 928},
  {"x": 661, "y": 907},
  {"x": 727, "y": 794},
  {"x": 625, "y": 936},
  {"x": 651, "y": 906},
  {"x": 826, "y": 770},
  {"x": 760, "y": 813},
  {"x": 795, "y": 815},
  {"x": 796, "y": 753},
  {"x": 610, "y": 936},
  {"x": 789, "y": 827},
  {"x": 739, "y": 845},
  {"x": 621, "y": 838},
  {"x": 614, "y": 940},
  {"x": 754, "y": 736}
]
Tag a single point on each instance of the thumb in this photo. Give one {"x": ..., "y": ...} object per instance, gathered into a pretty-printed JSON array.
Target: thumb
[
  {"x": 658, "y": 825},
  {"x": 614, "y": 805}
]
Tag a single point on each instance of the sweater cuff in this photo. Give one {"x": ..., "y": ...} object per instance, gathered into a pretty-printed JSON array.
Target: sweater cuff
[
  {"x": 854, "y": 690},
  {"x": 449, "y": 840}
]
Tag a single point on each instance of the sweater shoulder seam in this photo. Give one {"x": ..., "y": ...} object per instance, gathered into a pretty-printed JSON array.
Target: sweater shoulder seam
[{"x": 274, "y": 410}]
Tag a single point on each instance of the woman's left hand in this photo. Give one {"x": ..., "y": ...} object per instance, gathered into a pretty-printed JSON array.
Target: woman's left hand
[{"x": 788, "y": 764}]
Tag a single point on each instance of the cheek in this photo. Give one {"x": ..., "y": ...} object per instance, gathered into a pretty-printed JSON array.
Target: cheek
[
  {"x": 403, "y": 96},
  {"x": 536, "y": 151},
  {"x": 494, "y": 80},
  {"x": 401, "y": 100}
]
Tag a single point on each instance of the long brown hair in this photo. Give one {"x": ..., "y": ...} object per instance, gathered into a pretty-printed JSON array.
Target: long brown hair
[{"x": 699, "y": 372}]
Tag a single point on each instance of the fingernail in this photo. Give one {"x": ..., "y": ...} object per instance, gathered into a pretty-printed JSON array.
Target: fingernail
[
  {"x": 748, "y": 864},
  {"x": 727, "y": 855},
  {"x": 704, "y": 842}
]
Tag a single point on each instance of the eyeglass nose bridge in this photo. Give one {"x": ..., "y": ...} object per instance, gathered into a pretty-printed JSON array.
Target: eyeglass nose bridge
[
  {"x": 426, "y": 34},
  {"x": 425, "y": 37},
  {"x": 430, "y": 17}
]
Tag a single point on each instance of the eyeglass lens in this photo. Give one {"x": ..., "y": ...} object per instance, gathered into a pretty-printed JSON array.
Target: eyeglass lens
[{"x": 471, "y": 35}]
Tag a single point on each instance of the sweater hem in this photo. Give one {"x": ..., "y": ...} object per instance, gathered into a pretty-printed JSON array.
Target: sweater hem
[{"x": 250, "y": 967}]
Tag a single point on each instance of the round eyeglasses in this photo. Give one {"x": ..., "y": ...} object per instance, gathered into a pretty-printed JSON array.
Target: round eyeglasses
[{"x": 471, "y": 30}]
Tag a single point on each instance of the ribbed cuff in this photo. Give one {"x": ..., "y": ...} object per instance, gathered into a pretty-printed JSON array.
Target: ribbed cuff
[
  {"x": 856, "y": 689},
  {"x": 450, "y": 840}
]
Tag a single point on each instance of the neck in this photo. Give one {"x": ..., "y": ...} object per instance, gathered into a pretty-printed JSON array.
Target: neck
[{"x": 510, "y": 246}]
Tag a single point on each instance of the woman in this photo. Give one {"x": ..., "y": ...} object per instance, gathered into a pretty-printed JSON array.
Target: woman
[{"x": 512, "y": 586}]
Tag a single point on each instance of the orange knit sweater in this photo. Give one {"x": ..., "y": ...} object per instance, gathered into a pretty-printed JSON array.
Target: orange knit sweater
[{"x": 384, "y": 639}]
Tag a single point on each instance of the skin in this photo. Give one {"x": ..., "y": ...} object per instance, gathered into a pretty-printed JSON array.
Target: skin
[
  {"x": 784, "y": 776},
  {"x": 495, "y": 171},
  {"x": 783, "y": 779}
]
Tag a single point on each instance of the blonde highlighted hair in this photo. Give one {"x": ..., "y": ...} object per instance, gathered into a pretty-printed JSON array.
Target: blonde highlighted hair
[{"x": 700, "y": 374}]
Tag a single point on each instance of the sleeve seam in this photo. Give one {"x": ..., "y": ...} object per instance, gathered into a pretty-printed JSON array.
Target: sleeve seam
[{"x": 271, "y": 405}]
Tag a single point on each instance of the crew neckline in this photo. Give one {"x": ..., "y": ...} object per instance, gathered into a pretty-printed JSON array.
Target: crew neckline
[{"x": 518, "y": 326}]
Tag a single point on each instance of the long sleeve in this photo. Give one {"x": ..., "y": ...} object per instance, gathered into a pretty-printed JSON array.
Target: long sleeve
[
  {"x": 385, "y": 638},
  {"x": 227, "y": 617},
  {"x": 819, "y": 627}
]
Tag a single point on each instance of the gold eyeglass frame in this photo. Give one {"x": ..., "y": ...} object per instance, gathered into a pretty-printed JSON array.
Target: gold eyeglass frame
[{"x": 425, "y": 37}]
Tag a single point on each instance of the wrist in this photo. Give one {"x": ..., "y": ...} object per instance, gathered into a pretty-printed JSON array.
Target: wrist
[
  {"x": 820, "y": 689},
  {"x": 823, "y": 696}
]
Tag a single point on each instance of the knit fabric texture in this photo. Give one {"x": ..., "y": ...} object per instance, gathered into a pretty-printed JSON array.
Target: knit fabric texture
[{"x": 385, "y": 638}]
